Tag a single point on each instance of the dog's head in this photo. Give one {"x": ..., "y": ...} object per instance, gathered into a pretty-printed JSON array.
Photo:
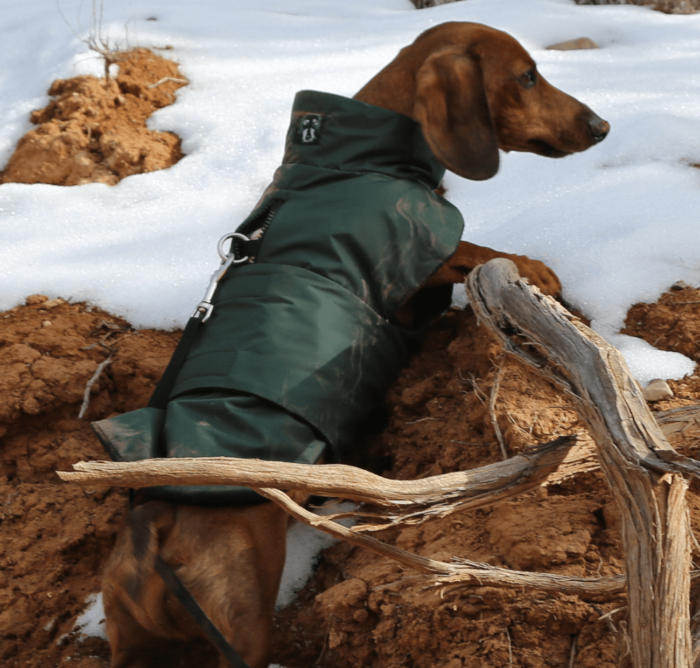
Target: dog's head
[{"x": 475, "y": 90}]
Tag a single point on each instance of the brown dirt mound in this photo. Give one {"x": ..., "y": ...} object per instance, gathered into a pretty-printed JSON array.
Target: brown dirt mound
[
  {"x": 358, "y": 609},
  {"x": 53, "y": 537},
  {"x": 672, "y": 323},
  {"x": 95, "y": 130}
]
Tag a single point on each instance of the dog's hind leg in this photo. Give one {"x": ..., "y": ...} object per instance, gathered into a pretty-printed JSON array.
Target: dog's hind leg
[
  {"x": 232, "y": 561},
  {"x": 133, "y": 646},
  {"x": 139, "y": 624}
]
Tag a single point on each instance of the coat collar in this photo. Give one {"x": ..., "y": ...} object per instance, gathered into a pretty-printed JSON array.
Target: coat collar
[{"x": 335, "y": 132}]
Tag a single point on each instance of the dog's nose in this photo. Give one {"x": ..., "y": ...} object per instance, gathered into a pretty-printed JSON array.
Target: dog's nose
[{"x": 599, "y": 128}]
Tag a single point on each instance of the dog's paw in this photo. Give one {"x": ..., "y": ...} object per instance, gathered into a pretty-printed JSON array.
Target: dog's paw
[{"x": 538, "y": 273}]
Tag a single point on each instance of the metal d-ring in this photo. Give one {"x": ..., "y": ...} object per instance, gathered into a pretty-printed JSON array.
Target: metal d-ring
[{"x": 220, "y": 247}]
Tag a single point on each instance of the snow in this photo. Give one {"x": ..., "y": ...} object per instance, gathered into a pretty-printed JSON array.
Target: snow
[
  {"x": 303, "y": 546},
  {"x": 91, "y": 623},
  {"x": 617, "y": 223}
]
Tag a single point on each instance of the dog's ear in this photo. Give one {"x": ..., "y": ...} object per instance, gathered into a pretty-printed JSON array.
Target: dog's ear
[{"x": 453, "y": 111}]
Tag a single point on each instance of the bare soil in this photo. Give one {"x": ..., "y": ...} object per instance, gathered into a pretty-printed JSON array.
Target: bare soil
[
  {"x": 358, "y": 609},
  {"x": 53, "y": 537},
  {"x": 672, "y": 323}
]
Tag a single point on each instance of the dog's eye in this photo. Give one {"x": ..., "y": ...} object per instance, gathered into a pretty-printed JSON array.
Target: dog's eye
[{"x": 529, "y": 79}]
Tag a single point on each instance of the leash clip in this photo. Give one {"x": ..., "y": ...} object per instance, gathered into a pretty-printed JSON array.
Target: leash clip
[{"x": 227, "y": 259}]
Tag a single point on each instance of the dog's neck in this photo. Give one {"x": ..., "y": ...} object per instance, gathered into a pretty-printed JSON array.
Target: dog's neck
[
  {"x": 389, "y": 93},
  {"x": 394, "y": 88}
]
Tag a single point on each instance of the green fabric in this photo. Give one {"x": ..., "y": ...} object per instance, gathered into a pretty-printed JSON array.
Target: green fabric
[
  {"x": 147, "y": 433},
  {"x": 305, "y": 332}
]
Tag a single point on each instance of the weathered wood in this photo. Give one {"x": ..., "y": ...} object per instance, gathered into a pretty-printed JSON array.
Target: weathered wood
[
  {"x": 681, "y": 427},
  {"x": 339, "y": 480},
  {"x": 393, "y": 501},
  {"x": 486, "y": 485},
  {"x": 638, "y": 462},
  {"x": 462, "y": 572},
  {"x": 409, "y": 501}
]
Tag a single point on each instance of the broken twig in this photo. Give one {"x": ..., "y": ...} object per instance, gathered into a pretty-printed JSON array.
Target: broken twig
[
  {"x": 88, "y": 387},
  {"x": 166, "y": 79},
  {"x": 492, "y": 411}
]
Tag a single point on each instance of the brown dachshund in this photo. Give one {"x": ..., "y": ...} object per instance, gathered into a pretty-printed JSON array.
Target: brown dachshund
[{"x": 474, "y": 90}]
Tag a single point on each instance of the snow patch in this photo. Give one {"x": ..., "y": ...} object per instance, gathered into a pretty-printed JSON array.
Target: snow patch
[
  {"x": 617, "y": 223},
  {"x": 91, "y": 623},
  {"x": 304, "y": 543}
]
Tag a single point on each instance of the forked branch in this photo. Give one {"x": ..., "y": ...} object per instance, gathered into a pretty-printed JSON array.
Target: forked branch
[
  {"x": 388, "y": 502},
  {"x": 640, "y": 465}
]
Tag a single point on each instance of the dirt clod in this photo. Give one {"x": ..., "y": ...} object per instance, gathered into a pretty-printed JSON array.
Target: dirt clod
[
  {"x": 357, "y": 609},
  {"x": 95, "y": 130}
]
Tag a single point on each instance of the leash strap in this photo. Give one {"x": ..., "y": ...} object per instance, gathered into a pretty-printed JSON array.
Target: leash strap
[
  {"x": 190, "y": 603},
  {"x": 159, "y": 399},
  {"x": 202, "y": 313}
]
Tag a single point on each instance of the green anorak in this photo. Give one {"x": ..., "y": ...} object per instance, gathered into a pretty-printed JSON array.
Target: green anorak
[{"x": 302, "y": 344}]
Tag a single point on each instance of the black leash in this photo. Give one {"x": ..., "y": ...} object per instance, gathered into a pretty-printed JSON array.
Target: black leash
[
  {"x": 190, "y": 603},
  {"x": 159, "y": 399}
]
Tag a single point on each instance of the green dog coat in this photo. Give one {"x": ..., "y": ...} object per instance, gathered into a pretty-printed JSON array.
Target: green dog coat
[{"x": 302, "y": 344}]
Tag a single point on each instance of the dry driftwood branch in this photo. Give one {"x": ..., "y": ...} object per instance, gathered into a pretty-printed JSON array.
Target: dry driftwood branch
[
  {"x": 408, "y": 501},
  {"x": 492, "y": 411},
  {"x": 461, "y": 571},
  {"x": 640, "y": 465},
  {"x": 166, "y": 80},
  {"x": 332, "y": 479},
  {"x": 681, "y": 426},
  {"x": 88, "y": 387},
  {"x": 411, "y": 501},
  {"x": 695, "y": 625}
]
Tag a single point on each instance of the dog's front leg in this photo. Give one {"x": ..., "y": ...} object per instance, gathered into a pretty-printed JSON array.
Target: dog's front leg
[{"x": 470, "y": 255}]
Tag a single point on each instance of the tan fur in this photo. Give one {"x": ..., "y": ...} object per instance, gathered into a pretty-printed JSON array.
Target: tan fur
[
  {"x": 230, "y": 559},
  {"x": 466, "y": 85}
]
